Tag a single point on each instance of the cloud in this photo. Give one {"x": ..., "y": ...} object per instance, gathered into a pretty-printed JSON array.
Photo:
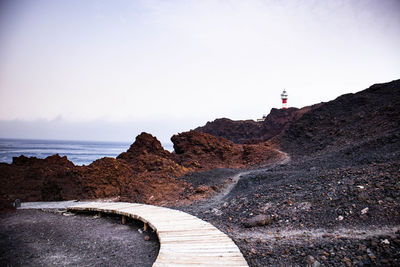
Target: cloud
[{"x": 99, "y": 130}]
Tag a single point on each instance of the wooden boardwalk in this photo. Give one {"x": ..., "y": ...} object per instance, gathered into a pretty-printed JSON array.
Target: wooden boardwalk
[{"x": 185, "y": 240}]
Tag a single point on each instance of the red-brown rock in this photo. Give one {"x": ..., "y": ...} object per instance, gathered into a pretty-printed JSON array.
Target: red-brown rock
[{"x": 199, "y": 150}]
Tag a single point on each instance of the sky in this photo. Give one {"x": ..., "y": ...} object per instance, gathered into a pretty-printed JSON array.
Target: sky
[{"x": 108, "y": 70}]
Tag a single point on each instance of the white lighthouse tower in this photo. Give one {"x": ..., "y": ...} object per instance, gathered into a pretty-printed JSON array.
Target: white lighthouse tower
[{"x": 284, "y": 97}]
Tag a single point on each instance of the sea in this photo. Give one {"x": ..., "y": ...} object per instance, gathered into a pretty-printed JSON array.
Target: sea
[{"x": 79, "y": 152}]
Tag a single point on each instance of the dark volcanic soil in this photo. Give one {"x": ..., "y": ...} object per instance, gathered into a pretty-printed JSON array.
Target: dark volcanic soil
[
  {"x": 38, "y": 238},
  {"x": 341, "y": 216}
]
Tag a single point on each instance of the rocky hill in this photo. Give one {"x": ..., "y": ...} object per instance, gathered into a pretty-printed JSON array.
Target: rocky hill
[
  {"x": 249, "y": 131},
  {"x": 358, "y": 124}
]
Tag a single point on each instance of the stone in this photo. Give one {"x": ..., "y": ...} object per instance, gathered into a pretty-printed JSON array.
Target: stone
[
  {"x": 313, "y": 168},
  {"x": 17, "y": 203},
  {"x": 385, "y": 242},
  {"x": 258, "y": 220},
  {"x": 365, "y": 210},
  {"x": 310, "y": 260},
  {"x": 216, "y": 211},
  {"x": 363, "y": 196},
  {"x": 347, "y": 261},
  {"x": 147, "y": 238},
  {"x": 362, "y": 248}
]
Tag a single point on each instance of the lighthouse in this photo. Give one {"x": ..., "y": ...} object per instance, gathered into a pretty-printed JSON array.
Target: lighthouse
[{"x": 284, "y": 97}]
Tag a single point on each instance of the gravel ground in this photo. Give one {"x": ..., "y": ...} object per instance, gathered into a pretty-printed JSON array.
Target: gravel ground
[{"x": 49, "y": 238}]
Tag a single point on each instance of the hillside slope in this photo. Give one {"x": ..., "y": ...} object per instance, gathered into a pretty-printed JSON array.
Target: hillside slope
[
  {"x": 367, "y": 122},
  {"x": 249, "y": 131}
]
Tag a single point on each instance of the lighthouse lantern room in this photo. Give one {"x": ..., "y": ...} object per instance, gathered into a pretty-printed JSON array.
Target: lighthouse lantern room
[{"x": 284, "y": 97}]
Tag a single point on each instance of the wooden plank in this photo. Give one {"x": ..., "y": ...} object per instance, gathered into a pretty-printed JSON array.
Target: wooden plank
[
  {"x": 200, "y": 247},
  {"x": 199, "y": 259},
  {"x": 185, "y": 222},
  {"x": 189, "y": 228},
  {"x": 195, "y": 239},
  {"x": 183, "y": 228},
  {"x": 231, "y": 261},
  {"x": 219, "y": 242},
  {"x": 114, "y": 207},
  {"x": 163, "y": 264},
  {"x": 209, "y": 251},
  {"x": 190, "y": 234}
]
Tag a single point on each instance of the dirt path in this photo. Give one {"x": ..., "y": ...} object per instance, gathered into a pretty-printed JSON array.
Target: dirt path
[
  {"x": 299, "y": 235},
  {"x": 219, "y": 197}
]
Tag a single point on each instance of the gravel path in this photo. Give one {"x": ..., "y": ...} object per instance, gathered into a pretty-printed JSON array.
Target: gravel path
[{"x": 230, "y": 182}]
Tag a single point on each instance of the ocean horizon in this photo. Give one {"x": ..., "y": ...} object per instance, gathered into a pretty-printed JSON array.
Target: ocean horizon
[{"x": 79, "y": 152}]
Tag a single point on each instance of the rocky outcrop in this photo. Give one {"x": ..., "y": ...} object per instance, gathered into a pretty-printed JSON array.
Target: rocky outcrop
[
  {"x": 204, "y": 151},
  {"x": 351, "y": 124},
  {"x": 144, "y": 173},
  {"x": 104, "y": 178},
  {"x": 144, "y": 144},
  {"x": 199, "y": 150},
  {"x": 147, "y": 155},
  {"x": 251, "y": 132},
  {"x": 241, "y": 131},
  {"x": 33, "y": 179}
]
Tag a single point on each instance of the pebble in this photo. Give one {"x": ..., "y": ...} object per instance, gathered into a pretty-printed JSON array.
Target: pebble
[
  {"x": 347, "y": 261},
  {"x": 362, "y": 248},
  {"x": 365, "y": 210},
  {"x": 385, "y": 241},
  {"x": 310, "y": 260}
]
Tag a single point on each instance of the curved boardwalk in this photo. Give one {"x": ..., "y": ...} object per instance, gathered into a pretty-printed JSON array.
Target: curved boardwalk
[{"x": 185, "y": 240}]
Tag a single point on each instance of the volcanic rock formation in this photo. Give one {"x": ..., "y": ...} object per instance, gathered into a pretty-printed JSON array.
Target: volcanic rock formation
[
  {"x": 204, "y": 151},
  {"x": 145, "y": 173},
  {"x": 249, "y": 131},
  {"x": 368, "y": 119}
]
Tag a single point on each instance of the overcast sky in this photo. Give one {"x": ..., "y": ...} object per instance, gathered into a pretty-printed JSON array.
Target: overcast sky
[{"x": 107, "y": 70}]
